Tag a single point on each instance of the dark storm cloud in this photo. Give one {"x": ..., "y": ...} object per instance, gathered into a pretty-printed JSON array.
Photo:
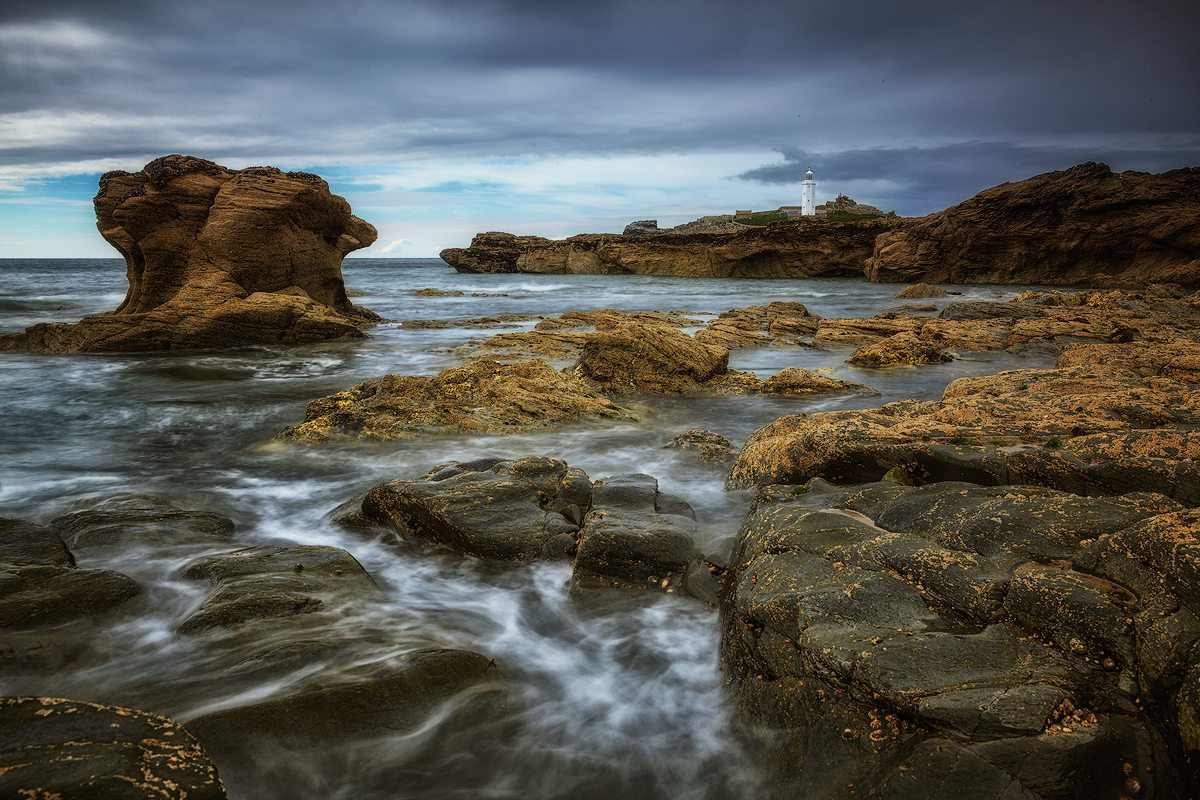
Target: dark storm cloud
[{"x": 878, "y": 87}]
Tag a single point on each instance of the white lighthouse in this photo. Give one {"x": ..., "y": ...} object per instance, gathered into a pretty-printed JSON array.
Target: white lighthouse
[{"x": 809, "y": 195}]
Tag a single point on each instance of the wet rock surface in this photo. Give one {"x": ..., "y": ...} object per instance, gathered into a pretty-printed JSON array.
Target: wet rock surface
[
  {"x": 619, "y": 531},
  {"x": 388, "y": 697},
  {"x": 1001, "y": 640},
  {"x": 989, "y": 593},
  {"x": 505, "y": 510},
  {"x": 708, "y": 446},
  {"x": 636, "y": 537},
  {"x": 132, "y": 519},
  {"x": 260, "y": 586},
  {"x": 51, "y": 747},
  {"x": 218, "y": 258},
  {"x": 41, "y": 587},
  {"x": 287, "y": 633}
]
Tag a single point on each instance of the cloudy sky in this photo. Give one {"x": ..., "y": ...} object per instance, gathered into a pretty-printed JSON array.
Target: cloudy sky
[{"x": 437, "y": 120}]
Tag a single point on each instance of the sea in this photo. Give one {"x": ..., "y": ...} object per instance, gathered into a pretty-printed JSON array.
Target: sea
[{"x": 623, "y": 699}]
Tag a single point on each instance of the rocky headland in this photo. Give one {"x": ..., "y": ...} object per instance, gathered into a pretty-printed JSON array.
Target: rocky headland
[
  {"x": 218, "y": 258},
  {"x": 1077, "y": 226},
  {"x": 792, "y": 249},
  {"x": 1082, "y": 225}
]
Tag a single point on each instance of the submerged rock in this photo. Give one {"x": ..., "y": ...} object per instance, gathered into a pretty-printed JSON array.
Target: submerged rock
[
  {"x": 137, "y": 520},
  {"x": 41, "y": 587},
  {"x": 437, "y": 293},
  {"x": 709, "y": 446},
  {"x": 262, "y": 586},
  {"x": 50, "y": 748},
  {"x": 326, "y": 716},
  {"x": 985, "y": 638},
  {"x": 218, "y": 258}
]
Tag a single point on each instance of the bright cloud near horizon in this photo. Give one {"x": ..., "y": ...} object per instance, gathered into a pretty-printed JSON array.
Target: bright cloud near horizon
[{"x": 440, "y": 119}]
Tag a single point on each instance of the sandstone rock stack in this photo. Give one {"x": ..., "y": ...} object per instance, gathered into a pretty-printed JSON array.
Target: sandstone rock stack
[{"x": 217, "y": 258}]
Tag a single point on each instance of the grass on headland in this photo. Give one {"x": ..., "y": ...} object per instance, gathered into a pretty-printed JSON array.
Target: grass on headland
[
  {"x": 761, "y": 219},
  {"x": 774, "y": 216}
]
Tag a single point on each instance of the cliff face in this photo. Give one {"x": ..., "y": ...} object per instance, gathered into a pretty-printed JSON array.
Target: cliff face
[
  {"x": 1078, "y": 225},
  {"x": 217, "y": 258},
  {"x": 793, "y": 249}
]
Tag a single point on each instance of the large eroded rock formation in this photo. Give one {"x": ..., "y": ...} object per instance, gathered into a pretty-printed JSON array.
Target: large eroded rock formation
[
  {"x": 217, "y": 258},
  {"x": 1074, "y": 226},
  {"x": 793, "y": 249}
]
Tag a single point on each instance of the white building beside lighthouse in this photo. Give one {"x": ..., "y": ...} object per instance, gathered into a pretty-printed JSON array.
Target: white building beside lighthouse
[{"x": 808, "y": 195}]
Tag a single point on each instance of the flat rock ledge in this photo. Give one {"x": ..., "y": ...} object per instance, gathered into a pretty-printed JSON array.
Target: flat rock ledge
[
  {"x": 485, "y": 396},
  {"x": 218, "y": 258},
  {"x": 990, "y": 641},
  {"x": 1033, "y": 322},
  {"x": 1110, "y": 419}
]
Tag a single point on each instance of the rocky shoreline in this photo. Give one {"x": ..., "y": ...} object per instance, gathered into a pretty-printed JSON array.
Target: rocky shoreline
[
  {"x": 1077, "y": 226},
  {"x": 995, "y": 593},
  {"x": 997, "y": 589}
]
